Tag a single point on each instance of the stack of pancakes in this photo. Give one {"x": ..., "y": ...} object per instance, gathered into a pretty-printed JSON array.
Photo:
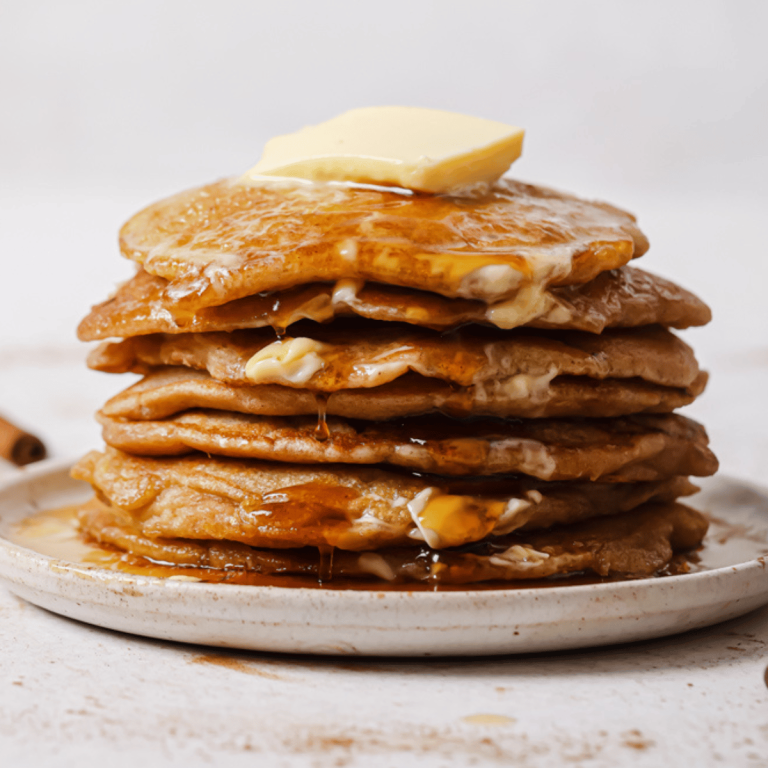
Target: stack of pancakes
[{"x": 376, "y": 384}]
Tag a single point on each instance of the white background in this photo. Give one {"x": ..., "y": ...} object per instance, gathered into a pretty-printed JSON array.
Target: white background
[{"x": 661, "y": 107}]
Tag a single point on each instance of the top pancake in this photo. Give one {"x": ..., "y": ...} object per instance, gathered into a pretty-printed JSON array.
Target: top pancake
[
  {"x": 622, "y": 298},
  {"x": 229, "y": 240}
]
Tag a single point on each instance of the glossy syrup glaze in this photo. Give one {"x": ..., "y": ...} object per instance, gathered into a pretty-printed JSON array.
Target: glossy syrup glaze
[
  {"x": 228, "y": 240},
  {"x": 645, "y": 447},
  {"x": 279, "y": 505},
  {"x": 56, "y": 533},
  {"x": 344, "y": 356},
  {"x": 625, "y": 297}
]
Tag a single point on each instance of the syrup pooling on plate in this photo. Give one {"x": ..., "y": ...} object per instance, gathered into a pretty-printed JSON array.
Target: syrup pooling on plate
[
  {"x": 243, "y": 448},
  {"x": 57, "y": 533}
]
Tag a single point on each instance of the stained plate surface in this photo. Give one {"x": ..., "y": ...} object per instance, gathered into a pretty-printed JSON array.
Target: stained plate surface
[{"x": 732, "y": 579}]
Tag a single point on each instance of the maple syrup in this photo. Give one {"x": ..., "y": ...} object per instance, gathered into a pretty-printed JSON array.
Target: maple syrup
[
  {"x": 56, "y": 533},
  {"x": 322, "y": 432}
]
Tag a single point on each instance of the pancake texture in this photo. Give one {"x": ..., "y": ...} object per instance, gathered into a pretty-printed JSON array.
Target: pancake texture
[
  {"x": 374, "y": 385},
  {"x": 622, "y": 546},
  {"x": 229, "y": 240},
  {"x": 622, "y": 298},
  {"x": 341, "y": 358},
  {"x": 167, "y": 391},
  {"x": 283, "y": 505},
  {"x": 632, "y": 449}
]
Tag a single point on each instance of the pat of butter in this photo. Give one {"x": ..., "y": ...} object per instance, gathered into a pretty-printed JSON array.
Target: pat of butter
[
  {"x": 445, "y": 520},
  {"x": 426, "y": 150},
  {"x": 294, "y": 361}
]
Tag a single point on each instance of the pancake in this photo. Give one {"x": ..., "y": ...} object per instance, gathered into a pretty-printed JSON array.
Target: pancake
[
  {"x": 352, "y": 508},
  {"x": 633, "y": 449},
  {"x": 625, "y": 297},
  {"x": 366, "y": 355},
  {"x": 622, "y": 546},
  {"x": 228, "y": 240},
  {"x": 167, "y": 391},
  {"x": 474, "y": 388}
]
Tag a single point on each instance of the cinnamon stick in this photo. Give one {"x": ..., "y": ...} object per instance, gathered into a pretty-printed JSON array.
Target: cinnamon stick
[{"x": 18, "y": 446}]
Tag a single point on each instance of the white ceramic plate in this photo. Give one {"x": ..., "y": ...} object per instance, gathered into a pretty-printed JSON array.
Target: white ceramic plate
[{"x": 332, "y": 621}]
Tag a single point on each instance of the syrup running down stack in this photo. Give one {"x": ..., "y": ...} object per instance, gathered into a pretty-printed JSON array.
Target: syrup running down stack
[{"x": 390, "y": 385}]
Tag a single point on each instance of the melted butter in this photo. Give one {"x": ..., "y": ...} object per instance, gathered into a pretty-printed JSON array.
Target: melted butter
[
  {"x": 420, "y": 149},
  {"x": 384, "y": 367},
  {"x": 293, "y": 361},
  {"x": 332, "y": 366},
  {"x": 490, "y": 280},
  {"x": 508, "y": 520},
  {"x": 347, "y": 249},
  {"x": 558, "y": 314},
  {"x": 345, "y": 292},
  {"x": 475, "y": 275},
  {"x": 531, "y": 302},
  {"x": 521, "y": 386},
  {"x": 328, "y": 367},
  {"x": 233, "y": 240},
  {"x": 445, "y": 520},
  {"x": 376, "y": 565},
  {"x": 526, "y": 386},
  {"x": 55, "y": 533},
  {"x": 319, "y": 308},
  {"x": 536, "y": 459},
  {"x": 519, "y": 555}
]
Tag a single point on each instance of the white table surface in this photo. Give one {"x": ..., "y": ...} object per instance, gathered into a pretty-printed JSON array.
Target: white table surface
[{"x": 71, "y": 694}]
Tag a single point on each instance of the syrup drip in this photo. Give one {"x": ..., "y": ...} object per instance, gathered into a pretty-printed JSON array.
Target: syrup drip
[
  {"x": 322, "y": 433},
  {"x": 55, "y": 533},
  {"x": 325, "y": 564}
]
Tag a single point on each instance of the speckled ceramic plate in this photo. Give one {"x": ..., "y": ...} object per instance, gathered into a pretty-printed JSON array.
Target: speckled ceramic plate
[{"x": 328, "y": 621}]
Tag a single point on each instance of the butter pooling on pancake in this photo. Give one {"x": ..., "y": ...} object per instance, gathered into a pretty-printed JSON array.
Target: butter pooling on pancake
[
  {"x": 229, "y": 240},
  {"x": 636, "y": 545},
  {"x": 632, "y": 545},
  {"x": 352, "y": 508},
  {"x": 339, "y": 357},
  {"x": 624, "y": 297}
]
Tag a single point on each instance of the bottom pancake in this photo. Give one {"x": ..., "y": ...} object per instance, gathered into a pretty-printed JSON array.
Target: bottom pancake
[
  {"x": 276, "y": 505},
  {"x": 634, "y": 545}
]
